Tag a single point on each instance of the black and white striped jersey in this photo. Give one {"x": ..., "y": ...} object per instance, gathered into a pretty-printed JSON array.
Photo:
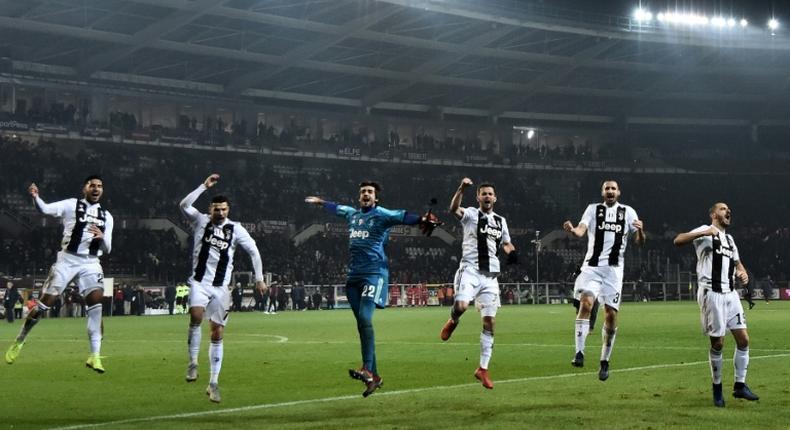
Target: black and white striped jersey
[
  {"x": 215, "y": 245},
  {"x": 608, "y": 229},
  {"x": 483, "y": 236},
  {"x": 77, "y": 215},
  {"x": 717, "y": 257}
]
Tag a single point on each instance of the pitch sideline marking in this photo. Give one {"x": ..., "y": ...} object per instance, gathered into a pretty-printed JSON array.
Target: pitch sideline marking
[
  {"x": 284, "y": 339},
  {"x": 386, "y": 393}
]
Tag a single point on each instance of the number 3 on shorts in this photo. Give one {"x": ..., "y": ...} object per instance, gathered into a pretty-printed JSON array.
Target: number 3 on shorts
[{"x": 369, "y": 291}]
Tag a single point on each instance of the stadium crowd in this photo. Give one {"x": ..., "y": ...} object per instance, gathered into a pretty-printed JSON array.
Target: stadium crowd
[{"x": 146, "y": 183}]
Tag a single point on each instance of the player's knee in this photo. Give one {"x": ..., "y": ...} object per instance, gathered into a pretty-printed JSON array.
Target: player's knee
[
  {"x": 717, "y": 344},
  {"x": 488, "y": 324},
  {"x": 742, "y": 341}
]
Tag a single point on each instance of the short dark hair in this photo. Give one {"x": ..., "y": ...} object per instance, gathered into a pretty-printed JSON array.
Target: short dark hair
[
  {"x": 376, "y": 186},
  {"x": 220, "y": 199},
  {"x": 713, "y": 207},
  {"x": 92, "y": 177},
  {"x": 486, "y": 185}
]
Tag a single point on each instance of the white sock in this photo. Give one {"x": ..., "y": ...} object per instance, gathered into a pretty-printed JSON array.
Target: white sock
[
  {"x": 741, "y": 361},
  {"x": 94, "y": 327},
  {"x": 215, "y": 357},
  {"x": 193, "y": 343},
  {"x": 607, "y": 336},
  {"x": 486, "y": 348},
  {"x": 582, "y": 329},
  {"x": 715, "y": 365}
]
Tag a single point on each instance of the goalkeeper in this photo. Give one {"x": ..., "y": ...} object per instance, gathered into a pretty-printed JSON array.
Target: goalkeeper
[
  {"x": 366, "y": 284},
  {"x": 485, "y": 232}
]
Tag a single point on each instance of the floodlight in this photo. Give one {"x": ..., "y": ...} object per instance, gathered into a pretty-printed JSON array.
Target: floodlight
[
  {"x": 641, "y": 15},
  {"x": 773, "y": 24}
]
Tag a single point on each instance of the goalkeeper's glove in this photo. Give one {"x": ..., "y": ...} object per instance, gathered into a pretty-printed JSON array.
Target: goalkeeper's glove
[{"x": 428, "y": 223}]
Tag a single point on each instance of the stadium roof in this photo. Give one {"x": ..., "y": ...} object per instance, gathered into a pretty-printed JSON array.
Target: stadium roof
[{"x": 458, "y": 57}]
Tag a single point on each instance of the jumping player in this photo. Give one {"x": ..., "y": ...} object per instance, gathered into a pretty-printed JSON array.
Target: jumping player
[
  {"x": 215, "y": 239},
  {"x": 87, "y": 235},
  {"x": 607, "y": 226},
  {"x": 476, "y": 279},
  {"x": 368, "y": 272}
]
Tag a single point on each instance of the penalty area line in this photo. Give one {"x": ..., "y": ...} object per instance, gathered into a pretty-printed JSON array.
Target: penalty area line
[{"x": 382, "y": 394}]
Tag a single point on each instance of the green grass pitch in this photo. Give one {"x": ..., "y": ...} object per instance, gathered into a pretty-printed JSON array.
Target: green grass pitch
[{"x": 290, "y": 371}]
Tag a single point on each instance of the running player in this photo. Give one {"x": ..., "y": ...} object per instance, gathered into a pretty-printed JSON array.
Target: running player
[
  {"x": 607, "y": 226},
  {"x": 720, "y": 307},
  {"x": 476, "y": 279},
  {"x": 368, "y": 272},
  {"x": 215, "y": 239},
  {"x": 87, "y": 235}
]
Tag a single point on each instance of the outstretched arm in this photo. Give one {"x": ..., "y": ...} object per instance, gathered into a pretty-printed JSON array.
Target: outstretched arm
[
  {"x": 455, "y": 203},
  {"x": 330, "y": 207},
  {"x": 186, "y": 204},
  {"x": 688, "y": 237}
]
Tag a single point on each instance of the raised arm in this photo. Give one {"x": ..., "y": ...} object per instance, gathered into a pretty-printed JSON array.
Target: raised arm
[
  {"x": 455, "y": 203},
  {"x": 52, "y": 209},
  {"x": 186, "y": 204},
  {"x": 688, "y": 237}
]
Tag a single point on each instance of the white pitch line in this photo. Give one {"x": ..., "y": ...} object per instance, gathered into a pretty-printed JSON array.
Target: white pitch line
[
  {"x": 381, "y": 394},
  {"x": 284, "y": 339}
]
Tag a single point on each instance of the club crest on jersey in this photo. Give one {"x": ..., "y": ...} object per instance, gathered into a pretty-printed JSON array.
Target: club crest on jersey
[
  {"x": 359, "y": 234},
  {"x": 495, "y": 232},
  {"x": 610, "y": 226}
]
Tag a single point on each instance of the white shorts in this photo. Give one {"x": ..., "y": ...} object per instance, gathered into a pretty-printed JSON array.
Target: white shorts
[
  {"x": 605, "y": 283},
  {"x": 470, "y": 285},
  {"x": 720, "y": 312},
  {"x": 216, "y": 300},
  {"x": 85, "y": 271}
]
